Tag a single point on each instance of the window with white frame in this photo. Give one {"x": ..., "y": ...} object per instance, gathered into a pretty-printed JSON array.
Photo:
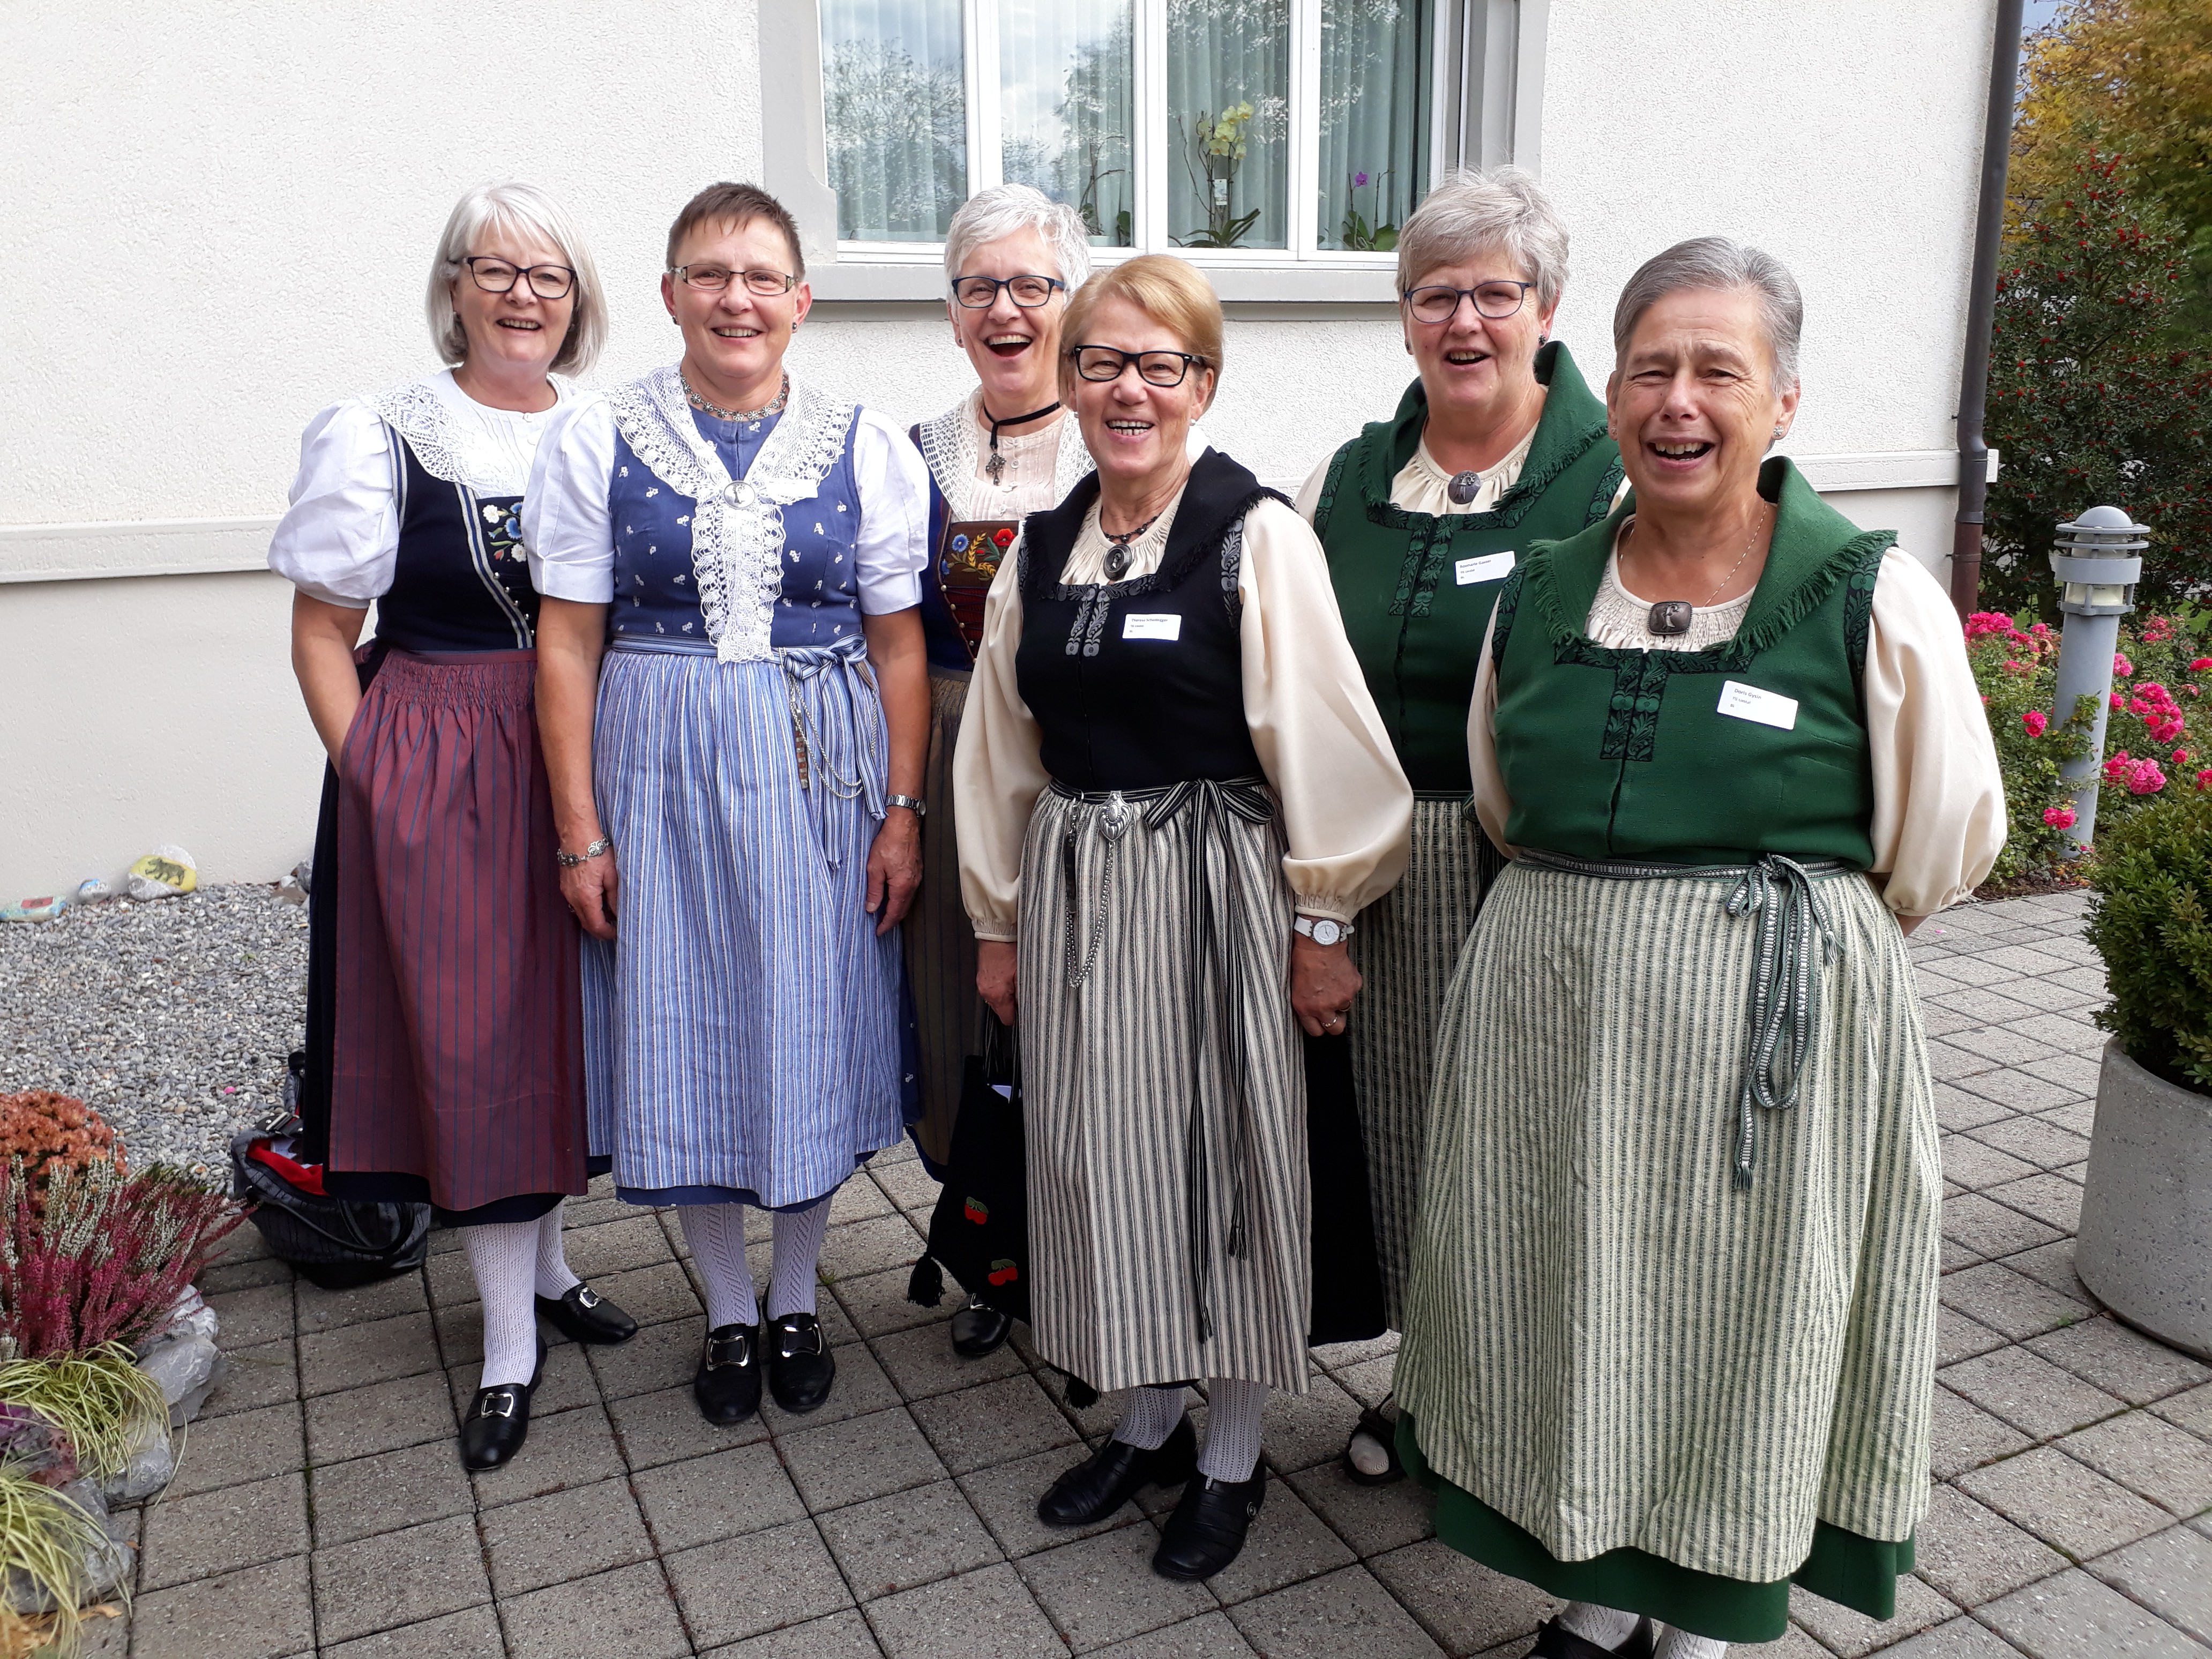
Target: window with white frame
[{"x": 1240, "y": 130}]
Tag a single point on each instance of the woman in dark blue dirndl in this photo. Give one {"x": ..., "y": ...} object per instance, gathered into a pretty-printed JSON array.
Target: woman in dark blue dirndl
[{"x": 446, "y": 1055}]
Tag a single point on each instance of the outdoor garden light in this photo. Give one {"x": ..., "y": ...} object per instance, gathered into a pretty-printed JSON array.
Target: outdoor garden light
[{"x": 2097, "y": 562}]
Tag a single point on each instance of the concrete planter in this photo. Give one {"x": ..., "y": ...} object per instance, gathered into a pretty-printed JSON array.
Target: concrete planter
[{"x": 2146, "y": 1243}]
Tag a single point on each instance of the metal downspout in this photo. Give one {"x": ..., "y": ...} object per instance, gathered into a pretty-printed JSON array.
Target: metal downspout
[{"x": 1981, "y": 305}]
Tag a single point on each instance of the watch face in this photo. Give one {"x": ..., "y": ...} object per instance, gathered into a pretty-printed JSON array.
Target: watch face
[{"x": 1327, "y": 932}]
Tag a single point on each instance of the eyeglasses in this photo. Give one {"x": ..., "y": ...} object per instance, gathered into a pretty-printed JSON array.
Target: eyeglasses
[
  {"x": 498, "y": 276},
  {"x": 1098, "y": 362},
  {"x": 713, "y": 279},
  {"x": 1028, "y": 292},
  {"x": 1496, "y": 300}
]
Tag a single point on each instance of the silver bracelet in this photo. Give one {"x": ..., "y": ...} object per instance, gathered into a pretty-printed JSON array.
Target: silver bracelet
[
  {"x": 570, "y": 860},
  {"x": 919, "y": 808}
]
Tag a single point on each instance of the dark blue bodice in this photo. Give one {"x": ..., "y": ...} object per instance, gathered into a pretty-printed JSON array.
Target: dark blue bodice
[
  {"x": 655, "y": 586},
  {"x": 461, "y": 581}
]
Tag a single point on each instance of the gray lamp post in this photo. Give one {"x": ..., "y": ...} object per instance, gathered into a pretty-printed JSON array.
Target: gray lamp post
[{"x": 2097, "y": 562}]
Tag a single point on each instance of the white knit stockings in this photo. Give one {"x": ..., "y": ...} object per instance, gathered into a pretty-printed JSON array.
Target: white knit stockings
[
  {"x": 716, "y": 1234},
  {"x": 503, "y": 1257}
]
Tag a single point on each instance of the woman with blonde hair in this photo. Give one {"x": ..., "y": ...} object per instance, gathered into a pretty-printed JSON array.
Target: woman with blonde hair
[
  {"x": 1169, "y": 776},
  {"x": 444, "y": 1040}
]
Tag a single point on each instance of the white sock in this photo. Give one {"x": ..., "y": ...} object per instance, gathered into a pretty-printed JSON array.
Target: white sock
[
  {"x": 1607, "y": 1626},
  {"x": 797, "y": 1262},
  {"x": 1369, "y": 1455},
  {"x": 1232, "y": 1428},
  {"x": 716, "y": 1234},
  {"x": 1149, "y": 1416},
  {"x": 555, "y": 1281},
  {"x": 503, "y": 1257},
  {"x": 1681, "y": 1644}
]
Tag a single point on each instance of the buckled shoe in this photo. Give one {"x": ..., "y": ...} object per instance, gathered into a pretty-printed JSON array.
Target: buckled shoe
[
  {"x": 499, "y": 1421},
  {"x": 1207, "y": 1531},
  {"x": 1555, "y": 1641},
  {"x": 800, "y": 1367},
  {"x": 582, "y": 1314},
  {"x": 1092, "y": 1491},
  {"x": 727, "y": 1385}
]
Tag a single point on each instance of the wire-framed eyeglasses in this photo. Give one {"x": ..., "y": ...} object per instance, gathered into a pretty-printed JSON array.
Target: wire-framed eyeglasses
[
  {"x": 979, "y": 293},
  {"x": 714, "y": 279},
  {"x": 496, "y": 276},
  {"x": 1160, "y": 369},
  {"x": 1496, "y": 299}
]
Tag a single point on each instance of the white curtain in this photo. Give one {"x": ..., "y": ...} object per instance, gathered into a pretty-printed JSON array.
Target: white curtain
[
  {"x": 896, "y": 114},
  {"x": 1374, "y": 118},
  {"x": 1224, "y": 55},
  {"x": 1065, "y": 109}
]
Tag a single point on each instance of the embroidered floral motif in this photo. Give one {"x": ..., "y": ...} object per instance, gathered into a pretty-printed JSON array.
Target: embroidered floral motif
[{"x": 737, "y": 532}]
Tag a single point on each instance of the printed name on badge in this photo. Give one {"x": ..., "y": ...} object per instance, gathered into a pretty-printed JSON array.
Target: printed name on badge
[
  {"x": 1749, "y": 702},
  {"x": 1484, "y": 567},
  {"x": 1151, "y": 626}
]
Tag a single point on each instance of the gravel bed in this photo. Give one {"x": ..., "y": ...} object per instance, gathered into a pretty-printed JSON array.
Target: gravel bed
[{"x": 171, "y": 1018}]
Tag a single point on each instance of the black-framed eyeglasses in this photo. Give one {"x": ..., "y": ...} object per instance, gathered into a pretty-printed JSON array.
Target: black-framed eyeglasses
[
  {"x": 495, "y": 276},
  {"x": 714, "y": 279},
  {"x": 1496, "y": 300},
  {"x": 978, "y": 292},
  {"x": 1163, "y": 369}
]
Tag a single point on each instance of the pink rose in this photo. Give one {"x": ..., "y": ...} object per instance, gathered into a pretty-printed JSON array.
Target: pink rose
[
  {"x": 2198, "y": 665},
  {"x": 2179, "y": 757},
  {"x": 2204, "y": 779},
  {"x": 2061, "y": 818},
  {"x": 2035, "y": 719},
  {"x": 2145, "y": 779},
  {"x": 2121, "y": 666}
]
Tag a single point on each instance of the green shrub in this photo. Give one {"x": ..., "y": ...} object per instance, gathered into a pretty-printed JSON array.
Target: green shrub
[{"x": 2151, "y": 920}]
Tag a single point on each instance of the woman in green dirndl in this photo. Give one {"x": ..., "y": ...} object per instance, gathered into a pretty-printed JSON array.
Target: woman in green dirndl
[
  {"x": 1670, "y": 1326},
  {"x": 1496, "y": 446}
]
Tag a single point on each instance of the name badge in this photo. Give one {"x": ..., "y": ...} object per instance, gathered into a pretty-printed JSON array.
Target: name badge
[
  {"x": 1749, "y": 702},
  {"x": 1484, "y": 567},
  {"x": 1151, "y": 626}
]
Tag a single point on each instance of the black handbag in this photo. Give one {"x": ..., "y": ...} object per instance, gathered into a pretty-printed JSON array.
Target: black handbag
[
  {"x": 980, "y": 1230},
  {"x": 337, "y": 1243}
]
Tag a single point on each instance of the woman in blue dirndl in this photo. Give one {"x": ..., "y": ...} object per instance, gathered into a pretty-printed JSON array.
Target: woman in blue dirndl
[{"x": 733, "y": 697}]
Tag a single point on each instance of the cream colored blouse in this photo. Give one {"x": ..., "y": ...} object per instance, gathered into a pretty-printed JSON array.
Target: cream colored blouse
[
  {"x": 1422, "y": 486},
  {"x": 1346, "y": 806},
  {"x": 1939, "y": 813}
]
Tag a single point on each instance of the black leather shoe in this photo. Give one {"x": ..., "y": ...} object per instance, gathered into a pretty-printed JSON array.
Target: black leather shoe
[
  {"x": 1207, "y": 1531},
  {"x": 580, "y": 1314},
  {"x": 1555, "y": 1641},
  {"x": 978, "y": 1329},
  {"x": 727, "y": 1385},
  {"x": 499, "y": 1421},
  {"x": 800, "y": 1367},
  {"x": 1117, "y": 1472}
]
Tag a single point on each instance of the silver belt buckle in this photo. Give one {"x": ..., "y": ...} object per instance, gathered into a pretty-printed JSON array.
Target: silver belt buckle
[{"x": 1116, "y": 816}]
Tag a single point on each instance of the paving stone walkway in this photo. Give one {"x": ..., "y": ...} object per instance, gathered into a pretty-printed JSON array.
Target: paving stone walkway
[{"x": 321, "y": 1508}]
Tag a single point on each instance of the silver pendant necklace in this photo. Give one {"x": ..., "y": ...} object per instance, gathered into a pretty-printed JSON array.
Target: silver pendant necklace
[
  {"x": 995, "y": 468},
  {"x": 1464, "y": 487},
  {"x": 1670, "y": 618},
  {"x": 1117, "y": 556}
]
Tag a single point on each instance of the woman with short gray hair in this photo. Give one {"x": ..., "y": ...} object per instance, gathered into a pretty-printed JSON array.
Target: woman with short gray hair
[
  {"x": 1497, "y": 444},
  {"x": 1670, "y": 1325},
  {"x": 445, "y": 1046},
  {"x": 1012, "y": 257}
]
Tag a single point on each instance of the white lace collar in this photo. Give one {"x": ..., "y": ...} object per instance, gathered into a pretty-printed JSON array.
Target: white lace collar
[
  {"x": 737, "y": 532},
  {"x": 952, "y": 442},
  {"x": 461, "y": 440}
]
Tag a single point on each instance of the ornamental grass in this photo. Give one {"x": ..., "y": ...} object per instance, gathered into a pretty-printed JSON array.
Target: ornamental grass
[{"x": 46, "y": 1537}]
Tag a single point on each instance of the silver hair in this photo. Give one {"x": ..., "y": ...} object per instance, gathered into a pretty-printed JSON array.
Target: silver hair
[
  {"x": 1471, "y": 213},
  {"x": 526, "y": 209},
  {"x": 1008, "y": 209},
  {"x": 1715, "y": 262}
]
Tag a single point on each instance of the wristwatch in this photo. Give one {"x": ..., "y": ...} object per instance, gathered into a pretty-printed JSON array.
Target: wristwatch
[
  {"x": 919, "y": 808},
  {"x": 1320, "y": 930},
  {"x": 570, "y": 860}
]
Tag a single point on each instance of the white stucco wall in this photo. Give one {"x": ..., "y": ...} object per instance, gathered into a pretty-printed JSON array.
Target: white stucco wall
[{"x": 266, "y": 184}]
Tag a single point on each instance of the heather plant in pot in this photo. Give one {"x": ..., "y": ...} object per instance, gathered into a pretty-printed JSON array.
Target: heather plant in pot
[{"x": 2146, "y": 1243}]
